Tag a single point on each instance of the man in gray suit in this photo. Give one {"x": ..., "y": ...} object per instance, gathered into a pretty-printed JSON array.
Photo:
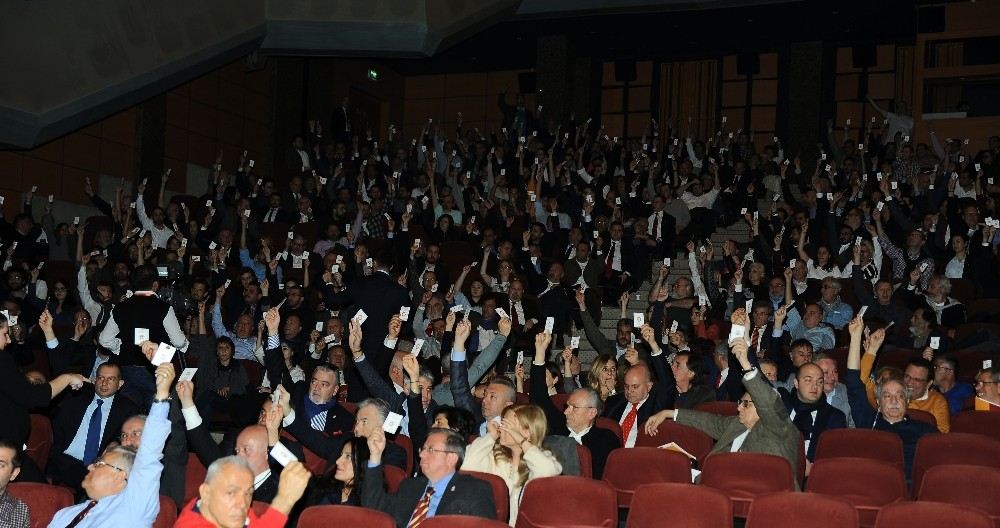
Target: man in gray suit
[
  {"x": 836, "y": 392},
  {"x": 762, "y": 425}
]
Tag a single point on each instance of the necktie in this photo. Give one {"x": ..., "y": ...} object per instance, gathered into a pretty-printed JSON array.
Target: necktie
[
  {"x": 718, "y": 381},
  {"x": 755, "y": 339},
  {"x": 629, "y": 423},
  {"x": 318, "y": 422},
  {"x": 656, "y": 227},
  {"x": 93, "y": 444},
  {"x": 422, "y": 509},
  {"x": 102, "y": 316},
  {"x": 83, "y": 513}
]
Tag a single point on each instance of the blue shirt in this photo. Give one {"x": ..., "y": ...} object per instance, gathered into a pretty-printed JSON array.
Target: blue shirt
[
  {"x": 79, "y": 443},
  {"x": 139, "y": 503},
  {"x": 244, "y": 346},
  {"x": 837, "y": 314},
  {"x": 439, "y": 488}
]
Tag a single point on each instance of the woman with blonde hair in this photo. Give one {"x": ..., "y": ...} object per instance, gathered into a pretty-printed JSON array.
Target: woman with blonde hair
[
  {"x": 603, "y": 376},
  {"x": 512, "y": 450}
]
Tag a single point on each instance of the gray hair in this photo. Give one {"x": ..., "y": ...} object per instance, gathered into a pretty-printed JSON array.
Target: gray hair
[
  {"x": 833, "y": 283},
  {"x": 331, "y": 369},
  {"x": 880, "y": 387},
  {"x": 426, "y": 374},
  {"x": 125, "y": 454},
  {"x": 944, "y": 283},
  {"x": 231, "y": 460},
  {"x": 593, "y": 399},
  {"x": 452, "y": 442},
  {"x": 380, "y": 406}
]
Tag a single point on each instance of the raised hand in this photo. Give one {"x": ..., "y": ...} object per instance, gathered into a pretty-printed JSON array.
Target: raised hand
[
  {"x": 354, "y": 339},
  {"x": 272, "y": 318}
]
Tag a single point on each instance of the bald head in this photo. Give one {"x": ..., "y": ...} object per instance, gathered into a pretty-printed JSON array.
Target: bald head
[
  {"x": 251, "y": 445},
  {"x": 638, "y": 383}
]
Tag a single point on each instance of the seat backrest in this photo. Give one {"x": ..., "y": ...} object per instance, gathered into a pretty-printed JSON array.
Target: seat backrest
[
  {"x": 327, "y": 516},
  {"x": 501, "y": 495},
  {"x": 704, "y": 507},
  {"x": 255, "y": 374},
  {"x": 44, "y": 500},
  {"x": 864, "y": 443},
  {"x": 607, "y": 423},
  {"x": 748, "y": 473},
  {"x": 858, "y": 480},
  {"x": 926, "y": 514},
  {"x": 194, "y": 475},
  {"x": 40, "y": 440},
  {"x": 626, "y": 469},
  {"x": 393, "y": 476},
  {"x": 404, "y": 441},
  {"x": 790, "y": 509},
  {"x": 559, "y": 400},
  {"x": 168, "y": 513},
  {"x": 977, "y": 422},
  {"x": 570, "y": 501},
  {"x": 953, "y": 448},
  {"x": 923, "y": 416},
  {"x": 461, "y": 521},
  {"x": 690, "y": 439},
  {"x": 721, "y": 408},
  {"x": 973, "y": 486}
]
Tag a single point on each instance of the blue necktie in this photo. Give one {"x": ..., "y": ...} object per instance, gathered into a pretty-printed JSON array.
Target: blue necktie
[{"x": 92, "y": 446}]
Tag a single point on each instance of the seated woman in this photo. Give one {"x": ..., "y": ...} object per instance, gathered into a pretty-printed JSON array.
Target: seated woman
[
  {"x": 343, "y": 486},
  {"x": 603, "y": 376},
  {"x": 220, "y": 382},
  {"x": 511, "y": 450}
]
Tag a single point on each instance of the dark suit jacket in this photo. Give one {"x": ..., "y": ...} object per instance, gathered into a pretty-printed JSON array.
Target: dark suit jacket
[
  {"x": 466, "y": 495},
  {"x": 590, "y": 276},
  {"x": 827, "y": 417},
  {"x": 555, "y": 303},
  {"x": 68, "y": 418},
  {"x": 380, "y": 297},
  {"x": 627, "y": 251}
]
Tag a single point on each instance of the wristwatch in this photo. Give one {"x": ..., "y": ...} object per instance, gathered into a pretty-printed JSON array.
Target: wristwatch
[{"x": 167, "y": 399}]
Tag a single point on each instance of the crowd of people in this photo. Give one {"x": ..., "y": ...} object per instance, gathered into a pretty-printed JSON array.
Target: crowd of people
[{"x": 437, "y": 289}]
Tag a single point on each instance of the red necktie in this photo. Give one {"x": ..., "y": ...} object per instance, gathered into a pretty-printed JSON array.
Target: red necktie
[
  {"x": 629, "y": 423},
  {"x": 423, "y": 507},
  {"x": 755, "y": 339}
]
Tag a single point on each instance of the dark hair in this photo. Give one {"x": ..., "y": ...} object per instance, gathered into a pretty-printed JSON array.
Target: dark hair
[
  {"x": 224, "y": 340},
  {"x": 328, "y": 489},
  {"x": 922, "y": 363},
  {"x": 555, "y": 372},
  {"x": 15, "y": 460},
  {"x": 695, "y": 364},
  {"x": 145, "y": 277},
  {"x": 452, "y": 442},
  {"x": 950, "y": 360},
  {"x": 801, "y": 342},
  {"x": 460, "y": 420}
]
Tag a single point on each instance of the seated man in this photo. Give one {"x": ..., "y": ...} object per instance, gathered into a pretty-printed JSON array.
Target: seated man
[
  {"x": 641, "y": 397},
  {"x": 582, "y": 409},
  {"x": 809, "y": 410},
  {"x": 810, "y": 326},
  {"x": 892, "y": 397},
  {"x": 14, "y": 512},
  {"x": 500, "y": 393},
  {"x": 123, "y": 486},
  {"x": 227, "y": 494},
  {"x": 917, "y": 377},
  {"x": 988, "y": 389},
  {"x": 762, "y": 425},
  {"x": 833, "y": 389},
  {"x": 418, "y": 497},
  {"x": 956, "y": 392}
]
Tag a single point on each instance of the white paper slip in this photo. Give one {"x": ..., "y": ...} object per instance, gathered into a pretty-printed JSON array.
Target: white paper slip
[
  {"x": 743, "y": 211},
  {"x": 502, "y": 313},
  {"x": 319, "y": 326},
  {"x": 188, "y": 374},
  {"x": 361, "y": 317},
  {"x": 330, "y": 338},
  {"x": 673, "y": 327},
  {"x": 281, "y": 453},
  {"x": 857, "y": 240},
  {"x": 392, "y": 422},
  {"x": 164, "y": 353},
  {"x": 923, "y": 267},
  {"x": 212, "y": 245},
  {"x": 791, "y": 263},
  {"x": 434, "y": 288},
  {"x": 141, "y": 335},
  {"x": 226, "y": 285},
  {"x": 987, "y": 363},
  {"x": 404, "y": 313},
  {"x": 369, "y": 262},
  {"x": 737, "y": 332},
  {"x": 457, "y": 308},
  {"x": 550, "y": 323},
  {"x": 520, "y": 357},
  {"x": 574, "y": 342},
  {"x": 418, "y": 345},
  {"x": 638, "y": 320},
  {"x": 935, "y": 342},
  {"x": 666, "y": 262},
  {"x": 703, "y": 300}
]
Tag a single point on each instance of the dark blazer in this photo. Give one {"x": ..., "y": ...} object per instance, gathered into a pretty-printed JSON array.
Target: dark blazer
[
  {"x": 466, "y": 495},
  {"x": 555, "y": 303},
  {"x": 827, "y": 417},
  {"x": 590, "y": 275},
  {"x": 68, "y": 418},
  {"x": 380, "y": 297},
  {"x": 328, "y": 446},
  {"x": 627, "y": 251}
]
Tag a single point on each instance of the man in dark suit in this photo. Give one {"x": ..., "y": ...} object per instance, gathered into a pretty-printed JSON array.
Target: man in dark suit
[
  {"x": 380, "y": 296},
  {"x": 641, "y": 399},
  {"x": 554, "y": 302},
  {"x": 618, "y": 257},
  {"x": 808, "y": 408},
  {"x": 84, "y": 424},
  {"x": 583, "y": 271},
  {"x": 340, "y": 123},
  {"x": 500, "y": 393},
  {"x": 418, "y": 497},
  {"x": 523, "y": 311},
  {"x": 582, "y": 409},
  {"x": 662, "y": 229}
]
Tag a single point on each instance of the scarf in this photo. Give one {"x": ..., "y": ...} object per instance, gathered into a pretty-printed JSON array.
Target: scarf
[
  {"x": 312, "y": 408},
  {"x": 803, "y": 415}
]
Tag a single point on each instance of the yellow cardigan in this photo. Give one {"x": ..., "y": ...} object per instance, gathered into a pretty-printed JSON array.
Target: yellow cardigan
[
  {"x": 935, "y": 403},
  {"x": 479, "y": 457}
]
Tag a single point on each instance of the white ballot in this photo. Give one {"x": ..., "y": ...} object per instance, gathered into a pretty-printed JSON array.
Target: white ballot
[
  {"x": 418, "y": 345},
  {"x": 935, "y": 342},
  {"x": 361, "y": 317},
  {"x": 502, "y": 313},
  {"x": 164, "y": 353},
  {"x": 281, "y": 453},
  {"x": 550, "y": 322},
  {"x": 392, "y": 422},
  {"x": 520, "y": 357},
  {"x": 673, "y": 327},
  {"x": 141, "y": 334},
  {"x": 638, "y": 320},
  {"x": 861, "y": 312},
  {"x": 574, "y": 342},
  {"x": 404, "y": 313},
  {"x": 188, "y": 374}
]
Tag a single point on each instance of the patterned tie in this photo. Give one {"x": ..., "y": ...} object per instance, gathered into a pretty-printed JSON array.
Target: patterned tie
[
  {"x": 318, "y": 422},
  {"x": 83, "y": 513},
  {"x": 422, "y": 509},
  {"x": 93, "y": 444},
  {"x": 629, "y": 423}
]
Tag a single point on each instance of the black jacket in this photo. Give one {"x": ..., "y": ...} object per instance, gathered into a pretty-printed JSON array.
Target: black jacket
[{"x": 466, "y": 495}]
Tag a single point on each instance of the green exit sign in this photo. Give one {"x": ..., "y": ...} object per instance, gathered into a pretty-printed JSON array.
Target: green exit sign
[{"x": 372, "y": 74}]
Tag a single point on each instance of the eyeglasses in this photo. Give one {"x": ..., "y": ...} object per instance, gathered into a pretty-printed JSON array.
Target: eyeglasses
[
  {"x": 943, "y": 367},
  {"x": 744, "y": 403},
  {"x": 99, "y": 463},
  {"x": 434, "y": 450},
  {"x": 574, "y": 407},
  {"x": 984, "y": 382}
]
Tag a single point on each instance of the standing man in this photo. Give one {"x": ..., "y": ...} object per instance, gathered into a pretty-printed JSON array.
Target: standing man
[{"x": 141, "y": 317}]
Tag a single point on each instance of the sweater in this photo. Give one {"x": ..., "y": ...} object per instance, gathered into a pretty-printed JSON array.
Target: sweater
[{"x": 479, "y": 457}]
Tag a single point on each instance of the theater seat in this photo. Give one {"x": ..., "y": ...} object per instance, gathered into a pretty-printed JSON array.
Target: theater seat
[
  {"x": 953, "y": 448},
  {"x": 501, "y": 495},
  {"x": 567, "y": 501},
  {"x": 327, "y": 516},
  {"x": 743, "y": 476},
  {"x": 626, "y": 469},
  {"x": 793, "y": 510},
  {"x": 461, "y": 521},
  {"x": 690, "y": 439},
  {"x": 611, "y": 425},
  {"x": 862, "y": 443},
  {"x": 40, "y": 441},
  {"x": 721, "y": 408},
  {"x": 973, "y": 486},
  {"x": 586, "y": 461},
  {"x": 923, "y": 416},
  {"x": 699, "y": 507},
  {"x": 168, "y": 513},
  {"x": 194, "y": 475},
  {"x": 866, "y": 484},
  {"x": 975, "y": 422},
  {"x": 404, "y": 441},
  {"x": 931, "y": 515},
  {"x": 393, "y": 476},
  {"x": 44, "y": 500}
]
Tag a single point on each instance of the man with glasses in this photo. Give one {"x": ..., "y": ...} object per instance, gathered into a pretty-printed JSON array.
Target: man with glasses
[
  {"x": 440, "y": 490},
  {"x": 84, "y": 424},
  {"x": 988, "y": 389},
  {"x": 956, "y": 392},
  {"x": 917, "y": 377},
  {"x": 123, "y": 485},
  {"x": 577, "y": 421}
]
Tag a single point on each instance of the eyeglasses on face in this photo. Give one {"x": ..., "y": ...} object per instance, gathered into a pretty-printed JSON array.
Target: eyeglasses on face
[
  {"x": 575, "y": 407},
  {"x": 98, "y": 463},
  {"x": 433, "y": 450},
  {"x": 744, "y": 403}
]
